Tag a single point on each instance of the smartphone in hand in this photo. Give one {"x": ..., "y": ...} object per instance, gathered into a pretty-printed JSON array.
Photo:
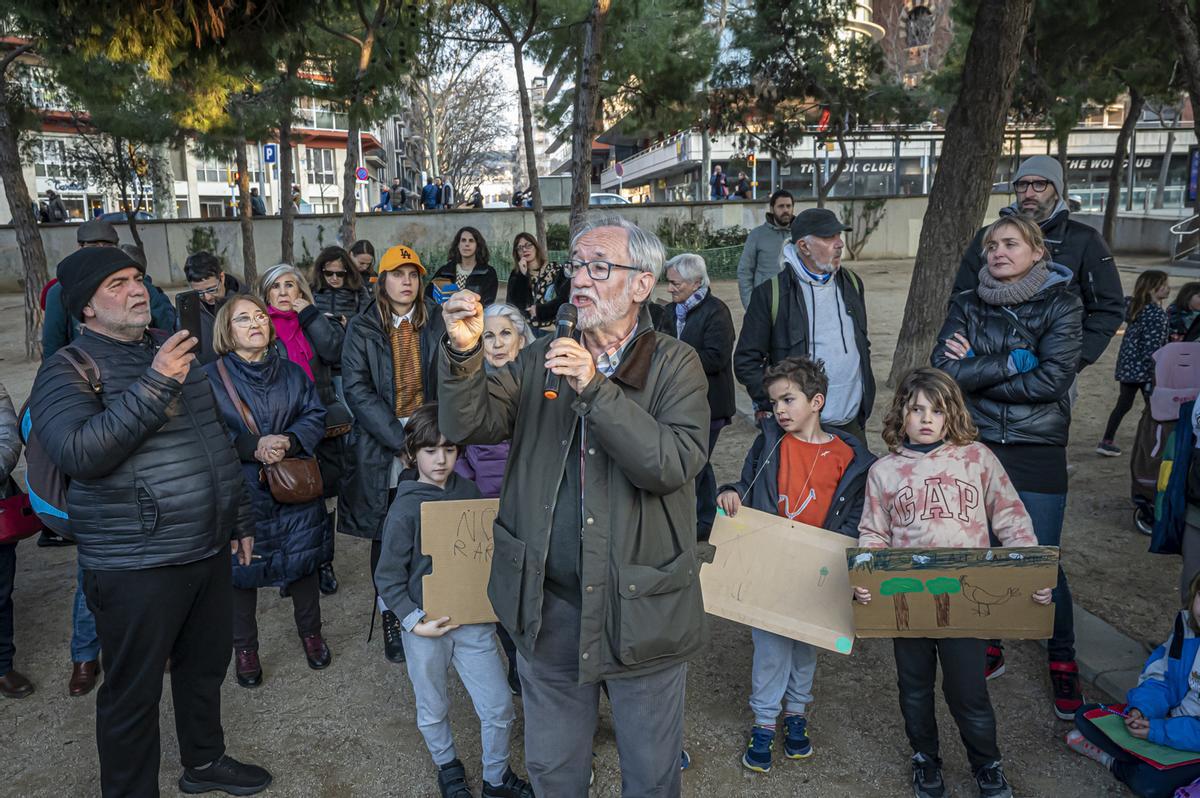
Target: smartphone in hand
[{"x": 187, "y": 305}]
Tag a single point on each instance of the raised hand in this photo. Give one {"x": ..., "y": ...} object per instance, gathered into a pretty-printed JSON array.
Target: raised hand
[
  {"x": 463, "y": 315},
  {"x": 174, "y": 358}
]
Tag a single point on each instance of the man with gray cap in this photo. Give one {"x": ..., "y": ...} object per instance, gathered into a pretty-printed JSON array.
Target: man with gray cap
[
  {"x": 814, "y": 307},
  {"x": 1041, "y": 196},
  {"x": 156, "y": 504}
]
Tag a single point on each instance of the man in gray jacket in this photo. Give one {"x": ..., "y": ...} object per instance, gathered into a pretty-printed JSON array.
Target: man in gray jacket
[
  {"x": 595, "y": 573},
  {"x": 761, "y": 257}
]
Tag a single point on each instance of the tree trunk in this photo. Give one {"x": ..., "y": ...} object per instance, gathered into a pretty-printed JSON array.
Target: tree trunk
[
  {"x": 705, "y": 165},
  {"x": 124, "y": 161},
  {"x": 583, "y": 120},
  {"x": 1062, "y": 147},
  {"x": 971, "y": 149},
  {"x": 350, "y": 182},
  {"x": 1183, "y": 26},
  {"x": 824, "y": 187},
  {"x": 163, "y": 180},
  {"x": 1136, "y": 101},
  {"x": 539, "y": 213},
  {"x": 29, "y": 239},
  {"x": 287, "y": 211},
  {"x": 1160, "y": 191},
  {"x": 246, "y": 214}
]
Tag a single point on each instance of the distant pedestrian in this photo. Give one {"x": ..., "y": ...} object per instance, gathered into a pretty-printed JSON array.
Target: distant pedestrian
[
  {"x": 56, "y": 211},
  {"x": 717, "y": 190},
  {"x": 476, "y": 200},
  {"x": 742, "y": 191},
  {"x": 447, "y": 197},
  {"x": 429, "y": 195},
  {"x": 1146, "y": 332},
  {"x": 397, "y": 197},
  {"x": 761, "y": 256},
  {"x": 257, "y": 206}
]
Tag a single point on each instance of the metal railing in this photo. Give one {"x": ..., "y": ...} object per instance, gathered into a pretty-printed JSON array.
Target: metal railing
[{"x": 1182, "y": 232}]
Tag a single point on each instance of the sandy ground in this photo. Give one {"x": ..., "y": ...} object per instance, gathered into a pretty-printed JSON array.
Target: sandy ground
[{"x": 350, "y": 730}]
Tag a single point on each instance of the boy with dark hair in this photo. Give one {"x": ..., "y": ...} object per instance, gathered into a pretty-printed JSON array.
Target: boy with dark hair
[
  {"x": 811, "y": 474},
  {"x": 433, "y": 645}
]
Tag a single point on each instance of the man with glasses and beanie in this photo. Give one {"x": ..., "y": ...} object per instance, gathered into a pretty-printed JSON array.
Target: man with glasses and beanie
[
  {"x": 813, "y": 308},
  {"x": 595, "y": 572},
  {"x": 157, "y": 504},
  {"x": 206, "y": 277},
  {"x": 1041, "y": 196}
]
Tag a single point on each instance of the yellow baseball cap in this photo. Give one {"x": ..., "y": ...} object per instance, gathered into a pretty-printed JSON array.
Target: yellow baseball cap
[{"x": 398, "y": 256}]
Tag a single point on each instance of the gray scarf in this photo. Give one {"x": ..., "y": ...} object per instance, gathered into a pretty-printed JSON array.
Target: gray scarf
[{"x": 994, "y": 292}]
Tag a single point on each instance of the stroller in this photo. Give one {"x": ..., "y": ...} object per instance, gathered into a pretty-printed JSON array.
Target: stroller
[{"x": 1176, "y": 381}]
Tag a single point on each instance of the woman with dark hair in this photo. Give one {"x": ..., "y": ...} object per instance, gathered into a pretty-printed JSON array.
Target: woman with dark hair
[
  {"x": 536, "y": 287},
  {"x": 1013, "y": 345},
  {"x": 362, "y": 252},
  {"x": 467, "y": 267},
  {"x": 1184, "y": 310},
  {"x": 389, "y": 365},
  {"x": 337, "y": 285},
  {"x": 313, "y": 341},
  {"x": 272, "y": 411}
]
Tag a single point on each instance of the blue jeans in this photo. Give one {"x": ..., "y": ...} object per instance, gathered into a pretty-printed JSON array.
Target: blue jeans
[
  {"x": 85, "y": 642},
  {"x": 1047, "y": 510}
]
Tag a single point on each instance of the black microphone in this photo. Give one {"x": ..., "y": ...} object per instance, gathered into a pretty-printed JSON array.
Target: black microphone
[{"x": 564, "y": 327}]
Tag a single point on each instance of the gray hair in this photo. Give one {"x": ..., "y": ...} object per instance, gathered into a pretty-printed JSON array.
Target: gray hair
[
  {"x": 690, "y": 267},
  {"x": 646, "y": 252},
  {"x": 514, "y": 317},
  {"x": 272, "y": 275}
]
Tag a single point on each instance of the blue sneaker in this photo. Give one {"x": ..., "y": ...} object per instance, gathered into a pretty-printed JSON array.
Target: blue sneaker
[
  {"x": 685, "y": 761},
  {"x": 796, "y": 745},
  {"x": 758, "y": 750}
]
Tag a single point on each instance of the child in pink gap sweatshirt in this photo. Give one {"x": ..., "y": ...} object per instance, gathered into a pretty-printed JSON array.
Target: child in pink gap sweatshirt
[{"x": 939, "y": 488}]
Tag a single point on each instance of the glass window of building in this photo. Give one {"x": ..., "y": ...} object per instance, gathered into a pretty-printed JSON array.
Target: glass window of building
[{"x": 318, "y": 164}]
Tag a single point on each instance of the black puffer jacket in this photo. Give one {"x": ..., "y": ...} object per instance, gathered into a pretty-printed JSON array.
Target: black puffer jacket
[
  {"x": 154, "y": 478},
  {"x": 1093, "y": 272},
  {"x": 341, "y": 302},
  {"x": 378, "y": 435},
  {"x": 1029, "y": 408},
  {"x": 709, "y": 330}
]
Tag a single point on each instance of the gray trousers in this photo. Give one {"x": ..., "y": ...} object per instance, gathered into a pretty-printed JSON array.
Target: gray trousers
[
  {"x": 561, "y": 715},
  {"x": 475, "y": 654},
  {"x": 781, "y": 676}
]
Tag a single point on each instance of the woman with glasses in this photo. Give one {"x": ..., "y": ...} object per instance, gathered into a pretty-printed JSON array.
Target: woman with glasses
[
  {"x": 467, "y": 267},
  {"x": 337, "y": 285},
  {"x": 536, "y": 287},
  {"x": 290, "y": 540},
  {"x": 313, "y": 341}
]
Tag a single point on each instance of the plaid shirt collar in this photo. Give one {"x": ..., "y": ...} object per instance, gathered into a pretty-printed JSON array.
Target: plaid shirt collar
[{"x": 610, "y": 359}]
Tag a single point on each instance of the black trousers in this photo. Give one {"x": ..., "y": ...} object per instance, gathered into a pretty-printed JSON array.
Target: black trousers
[
  {"x": 1129, "y": 392},
  {"x": 306, "y": 609},
  {"x": 8, "y": 572},
  {"x": 963, "y": 684},
  {"x": 183, "y": 612},
  {"x": 706, "y": 491}
]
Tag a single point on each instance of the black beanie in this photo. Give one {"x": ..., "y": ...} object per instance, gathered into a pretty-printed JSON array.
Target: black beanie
[{"x": 82, "y": 272}]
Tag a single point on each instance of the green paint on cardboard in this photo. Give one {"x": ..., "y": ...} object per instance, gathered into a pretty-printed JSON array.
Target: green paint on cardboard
[
  {"x": 843, "y": 645},
  {"x": 892, "y": 587},
  {"x": 942, "y": 586},
  {"x": 824, "y": 571}
]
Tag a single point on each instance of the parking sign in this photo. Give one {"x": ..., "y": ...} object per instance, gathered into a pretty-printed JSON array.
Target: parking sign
[{"x": 270, "y": 153}]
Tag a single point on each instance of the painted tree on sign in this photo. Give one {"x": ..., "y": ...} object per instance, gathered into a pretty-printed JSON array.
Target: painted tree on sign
[{"x": 899, "y": 588}]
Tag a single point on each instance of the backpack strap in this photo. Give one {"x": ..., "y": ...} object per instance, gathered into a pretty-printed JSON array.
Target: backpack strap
[
  {"x": 247, "y": 419},
  {"x": 854, "y": 279},
  {"x": 84, "y": 365},
  {"x": 776, "y": 289}
]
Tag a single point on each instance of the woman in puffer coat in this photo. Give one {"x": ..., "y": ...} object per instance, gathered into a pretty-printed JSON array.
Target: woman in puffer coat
[
  {"x": 337, "y": 287},
  {"x": 290, "y": 540},
  {"x": 1013, "y": 345},
  {"x": 312, "y": 340}
]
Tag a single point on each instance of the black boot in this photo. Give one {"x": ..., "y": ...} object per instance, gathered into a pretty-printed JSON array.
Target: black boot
[
  {"x": 452, "y": 780},
  {"x": 226, "y": 775},
  {"x": 511, "y": 786},
  {"x": 393, "y": 642},
  {"x": 329, "y": 582}
]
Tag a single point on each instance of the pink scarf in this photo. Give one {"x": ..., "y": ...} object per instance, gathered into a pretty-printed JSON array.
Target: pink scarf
[{"x": 287, "y": 327}]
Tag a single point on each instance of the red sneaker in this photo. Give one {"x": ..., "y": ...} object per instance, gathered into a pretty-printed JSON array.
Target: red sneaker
[
  {"x": 1068, "y": 698},
  {"x": 995, "y": 662}
]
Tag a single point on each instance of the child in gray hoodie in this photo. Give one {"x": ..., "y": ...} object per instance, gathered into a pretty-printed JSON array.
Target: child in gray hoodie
[{"x": 433, "y": 645}]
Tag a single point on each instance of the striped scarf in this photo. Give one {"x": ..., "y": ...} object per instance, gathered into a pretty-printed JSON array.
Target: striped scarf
[{"x": 406, "y": 368}]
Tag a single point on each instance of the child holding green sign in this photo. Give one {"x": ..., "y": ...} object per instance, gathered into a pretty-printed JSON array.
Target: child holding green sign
[
  {"x": 940, "y": 488},
  {"x": 1160, "y": 722}
]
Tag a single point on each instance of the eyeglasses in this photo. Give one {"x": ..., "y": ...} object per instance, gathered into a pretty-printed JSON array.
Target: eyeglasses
[
  {"x": 208, "y": 291},
  {"x": 596, "y": 269},
  {"x": 245, "y": 322},
  {"x": 1038, "y": 186},
  {"x": 329, "y": 274}
]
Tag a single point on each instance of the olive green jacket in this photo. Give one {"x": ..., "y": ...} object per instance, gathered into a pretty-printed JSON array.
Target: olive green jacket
[{"x": 647, "y": 437}]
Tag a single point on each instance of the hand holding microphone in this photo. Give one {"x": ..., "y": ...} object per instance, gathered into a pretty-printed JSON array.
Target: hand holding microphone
[{"x": 566, "y": 357}]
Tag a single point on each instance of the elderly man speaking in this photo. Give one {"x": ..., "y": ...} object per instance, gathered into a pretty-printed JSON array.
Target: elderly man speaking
[{"x": 595, "y": 573}]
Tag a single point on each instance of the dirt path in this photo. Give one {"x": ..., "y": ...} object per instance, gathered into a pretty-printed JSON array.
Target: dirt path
[{"x": 350, "y": 730}]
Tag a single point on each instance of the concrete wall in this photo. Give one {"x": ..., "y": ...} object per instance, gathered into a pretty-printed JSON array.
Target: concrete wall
[
  {"x": 1148, "y": 235},
  {"x": 430, "y": 232}
]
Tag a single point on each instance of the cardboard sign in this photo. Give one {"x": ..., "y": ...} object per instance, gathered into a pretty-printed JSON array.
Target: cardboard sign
[
  {"x": 954, "y": 592},
  {"x": 781, "y": 576},
  {"x": 458, "y": 536}
]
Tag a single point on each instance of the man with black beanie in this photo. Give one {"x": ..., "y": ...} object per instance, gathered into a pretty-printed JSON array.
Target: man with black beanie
[{"x": 156, "y": 505}]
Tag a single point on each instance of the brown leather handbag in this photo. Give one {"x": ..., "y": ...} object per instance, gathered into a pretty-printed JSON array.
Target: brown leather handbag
[{"x": 293, "y": 480}]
